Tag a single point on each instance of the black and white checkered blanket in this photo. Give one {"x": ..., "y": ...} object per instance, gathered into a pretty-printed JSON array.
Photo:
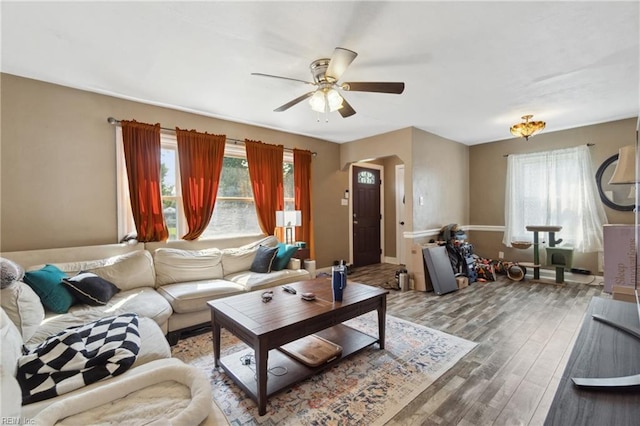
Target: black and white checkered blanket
[{"x": 79, "y": 356}]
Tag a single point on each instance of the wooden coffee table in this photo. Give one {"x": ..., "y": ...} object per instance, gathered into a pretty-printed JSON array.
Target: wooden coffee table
[{"x": 267, "y": 326}]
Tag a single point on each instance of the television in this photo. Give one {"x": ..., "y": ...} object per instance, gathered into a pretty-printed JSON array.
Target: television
[{"x": 627, "y": 171}]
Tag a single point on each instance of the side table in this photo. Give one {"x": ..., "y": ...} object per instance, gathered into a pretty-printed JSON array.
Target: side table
[{"x": 302, "y": 254}]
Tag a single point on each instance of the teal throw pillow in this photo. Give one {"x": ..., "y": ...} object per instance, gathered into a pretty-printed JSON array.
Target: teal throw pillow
[
  {"x": 285, "y": 253},
  {"x": 47, "y": 284}
]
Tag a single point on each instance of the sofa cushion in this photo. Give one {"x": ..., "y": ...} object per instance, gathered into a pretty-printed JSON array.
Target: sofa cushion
[
  {"x": 11, "y": 350},
  {"x": 175, "y": 265},
  {"x": 268, "y": 241},
  {"x": 256, "y": 281},
  {"x": 264, "y": 259},
  {"x": 285, "y": 253},
  {"x": 22, "y": 305},
  {"x": 47, "y": 283},
  {"x": 146, "y": 302},
  {"x": 236, "y": 260},
  {"x": 91, "y": 289},
  {"x": 193, "y": 296},
  {"x": 126, "y": 271}
]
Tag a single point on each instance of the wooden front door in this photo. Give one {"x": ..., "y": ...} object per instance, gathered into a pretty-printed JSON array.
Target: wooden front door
[{"x": 366, "y": 216}]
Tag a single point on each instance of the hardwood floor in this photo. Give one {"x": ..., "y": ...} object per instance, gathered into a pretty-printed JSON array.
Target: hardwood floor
[{"x": 524, "y": 330}]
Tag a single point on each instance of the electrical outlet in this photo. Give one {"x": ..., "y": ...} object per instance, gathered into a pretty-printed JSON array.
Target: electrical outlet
[{"x": 500, "y": 255}]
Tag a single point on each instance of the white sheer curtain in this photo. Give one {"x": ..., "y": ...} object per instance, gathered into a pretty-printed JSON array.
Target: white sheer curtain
[{"x": 554, "y": 188}]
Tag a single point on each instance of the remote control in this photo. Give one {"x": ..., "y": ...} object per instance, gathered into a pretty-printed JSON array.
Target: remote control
[{"x": 289, "y": 289}]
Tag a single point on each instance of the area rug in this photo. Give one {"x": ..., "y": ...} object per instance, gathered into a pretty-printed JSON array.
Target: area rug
[{"x": 368, "y": 388}]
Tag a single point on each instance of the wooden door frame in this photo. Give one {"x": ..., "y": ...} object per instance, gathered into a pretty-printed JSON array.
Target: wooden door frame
[
  {"x": 401, "y": 255},
  {"x": 380, "y": 168}
]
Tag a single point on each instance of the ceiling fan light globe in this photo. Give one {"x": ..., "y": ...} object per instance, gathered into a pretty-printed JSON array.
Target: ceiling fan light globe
[
  {"x": 334, "y": 100},
  {"x": 317, "y": 101}
]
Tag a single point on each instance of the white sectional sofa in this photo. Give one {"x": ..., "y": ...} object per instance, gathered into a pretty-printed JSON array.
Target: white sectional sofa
[
  {"x": 167, "y": 285},
  {"x": 168, "y": 282}
]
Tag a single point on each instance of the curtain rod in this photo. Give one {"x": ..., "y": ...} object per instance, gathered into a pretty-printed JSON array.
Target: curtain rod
[
  {"x": 116, "y": 122},
  {"x": 589, "y": 144}
]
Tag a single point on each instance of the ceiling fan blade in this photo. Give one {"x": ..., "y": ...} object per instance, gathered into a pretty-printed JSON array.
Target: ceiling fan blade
[
  {"x": 293, "y": 102},
  {"x": 379, "y": 87},
  {"x": 346, "y": 110},
  {"x": 259, "y": 74},
  {"x": 339, "y": 63}
]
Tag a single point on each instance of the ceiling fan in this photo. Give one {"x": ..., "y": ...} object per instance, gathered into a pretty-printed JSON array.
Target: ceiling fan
[{"x": 326, "y": 73}]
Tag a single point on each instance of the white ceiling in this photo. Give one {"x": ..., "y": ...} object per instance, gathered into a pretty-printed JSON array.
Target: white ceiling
[{"x": 471, "y": 69}]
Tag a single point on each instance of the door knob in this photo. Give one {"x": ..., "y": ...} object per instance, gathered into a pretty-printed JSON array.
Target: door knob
[{"x": 355, "y": 222}]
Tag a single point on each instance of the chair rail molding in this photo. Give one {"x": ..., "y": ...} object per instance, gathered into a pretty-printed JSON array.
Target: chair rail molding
[
  {"x": 487, "y": 228},
  {"x": 431, "y": 232}
]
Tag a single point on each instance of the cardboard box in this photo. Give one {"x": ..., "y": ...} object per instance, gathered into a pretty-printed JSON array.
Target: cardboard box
[
  {"x": 619, "y": 256},
  {"x": 421, "y": 280},
  {"x": 626, "y": 294},
  {"x": 462, "y": 282}
]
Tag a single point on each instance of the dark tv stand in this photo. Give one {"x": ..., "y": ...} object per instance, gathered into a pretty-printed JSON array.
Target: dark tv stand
[
  {"x": 601, "y": 351},
  {"x": 611, "y": 383}
]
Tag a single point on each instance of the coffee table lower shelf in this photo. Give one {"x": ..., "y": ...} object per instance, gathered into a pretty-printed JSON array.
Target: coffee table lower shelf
[{"x": 351, "y": 340}]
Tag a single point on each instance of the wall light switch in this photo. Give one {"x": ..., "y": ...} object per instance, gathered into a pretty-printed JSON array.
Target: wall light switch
[
  {"x": 421, "y": 200},
  {"x": 344, "y": 202}
]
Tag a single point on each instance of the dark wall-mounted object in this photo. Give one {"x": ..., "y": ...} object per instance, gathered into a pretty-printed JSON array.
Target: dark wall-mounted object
[{"x": 616, "y": 196}]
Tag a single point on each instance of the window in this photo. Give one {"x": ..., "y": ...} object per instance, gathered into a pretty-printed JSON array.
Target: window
[
  {"x": 234, "y": 213},
  {"x": 554, "y": 188},
  {"x": 366, "y": 178}
]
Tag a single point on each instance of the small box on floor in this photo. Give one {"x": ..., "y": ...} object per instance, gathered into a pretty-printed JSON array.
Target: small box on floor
[
  {"x": 462, "y": 282},
  {"x": 626, "y": 294}
]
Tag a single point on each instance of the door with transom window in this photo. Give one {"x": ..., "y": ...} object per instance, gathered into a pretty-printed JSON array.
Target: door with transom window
[{"x": 366, "y": 216}]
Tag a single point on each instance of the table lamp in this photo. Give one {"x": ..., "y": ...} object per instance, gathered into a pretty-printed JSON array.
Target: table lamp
[{"x": 287, "y": 219}]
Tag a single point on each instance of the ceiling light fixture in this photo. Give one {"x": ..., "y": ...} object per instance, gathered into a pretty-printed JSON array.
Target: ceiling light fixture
[
  {"x": 324, "y": 99},
  {"x": 527, "y": 128}
]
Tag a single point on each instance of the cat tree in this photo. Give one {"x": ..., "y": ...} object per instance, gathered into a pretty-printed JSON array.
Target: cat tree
[{"x": 560, "y": 257}]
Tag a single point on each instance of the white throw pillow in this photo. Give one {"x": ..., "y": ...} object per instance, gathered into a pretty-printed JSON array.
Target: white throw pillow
[
  {"x": 175, "y": 265},
  {"x": 23, "y": 306}
]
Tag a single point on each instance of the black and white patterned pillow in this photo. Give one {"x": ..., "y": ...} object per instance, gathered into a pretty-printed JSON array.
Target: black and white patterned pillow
[
  {"x": 90, "y": 289},
  {"x": 78, "y": 356}
]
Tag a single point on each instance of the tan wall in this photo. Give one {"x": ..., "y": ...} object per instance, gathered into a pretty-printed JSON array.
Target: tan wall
[
  {"x": 441, "y": 178},
  {"x": 387, "y": 149},
  {"x": 58, "y": 171},
  {"x": 429, "y": 161},
  {"x": 58, "y": 166},
  {"x": 487, "y": 180},
  {"x": 390, "y": 221}
]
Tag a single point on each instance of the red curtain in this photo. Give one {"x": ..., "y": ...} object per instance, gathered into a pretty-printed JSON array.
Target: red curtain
[
  {"x": 265, "y": 171},
  {"x": 302, "y": 188},
  {"x": 200, "y": 156},
  {"x": 142, "y": 158}
]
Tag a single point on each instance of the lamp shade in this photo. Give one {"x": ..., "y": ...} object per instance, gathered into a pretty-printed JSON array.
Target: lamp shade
[
  {"x": 625, "y": 171},
  {"x": 288, "y": 218}
]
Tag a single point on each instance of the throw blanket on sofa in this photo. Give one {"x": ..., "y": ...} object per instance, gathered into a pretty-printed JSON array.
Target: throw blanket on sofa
[{"x": 79, "y": 356}]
